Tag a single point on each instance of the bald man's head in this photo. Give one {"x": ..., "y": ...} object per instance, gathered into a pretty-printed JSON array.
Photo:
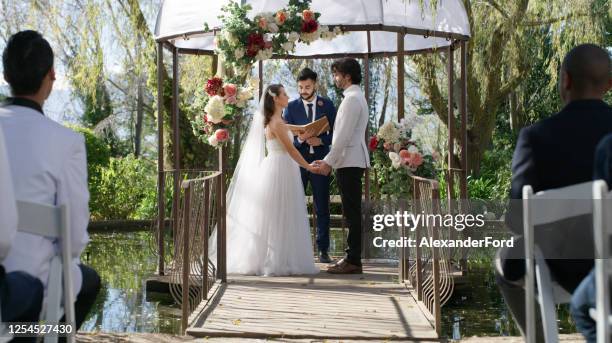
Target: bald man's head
[{"x": 585, "y": 73}]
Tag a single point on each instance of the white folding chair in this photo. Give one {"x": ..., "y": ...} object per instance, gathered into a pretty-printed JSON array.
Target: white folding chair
[
  {"x": 542, "y": 208},
  {"x": 602, "y": 226},
  {"x": 52, "y": 222}
]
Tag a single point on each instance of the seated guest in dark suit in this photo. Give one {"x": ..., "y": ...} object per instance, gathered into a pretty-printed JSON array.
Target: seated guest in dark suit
[
  {"x": 308, "y": 108},
  {"x": 554, "y": 153},
  {"x": 48, "y": 165},
  {"x": 583, "y": 298},
  {"x": 20, "y": 293}
]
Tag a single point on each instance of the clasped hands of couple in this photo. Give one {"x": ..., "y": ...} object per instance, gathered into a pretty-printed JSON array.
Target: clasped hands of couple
[{"x": 318, "y": 167}]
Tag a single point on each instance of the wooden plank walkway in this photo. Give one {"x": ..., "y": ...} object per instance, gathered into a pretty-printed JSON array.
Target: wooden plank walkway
[{"x": 371, "y": 306}]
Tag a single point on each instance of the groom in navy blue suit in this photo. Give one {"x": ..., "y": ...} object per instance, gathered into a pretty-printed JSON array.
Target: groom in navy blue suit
[{"x": 308, "y": 108}]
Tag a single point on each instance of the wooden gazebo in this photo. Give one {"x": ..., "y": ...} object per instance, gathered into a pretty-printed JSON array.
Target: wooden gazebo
[{"x": 373, "y": 28}]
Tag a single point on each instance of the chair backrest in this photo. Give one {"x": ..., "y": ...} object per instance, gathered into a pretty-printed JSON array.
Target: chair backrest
[
  {"x": 602, "y": 231},
  {"x": 542, "y": 208},
  {"x": 52, "y": 222}
]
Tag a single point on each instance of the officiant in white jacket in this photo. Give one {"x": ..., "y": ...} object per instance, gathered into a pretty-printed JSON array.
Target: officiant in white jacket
[
  {"x": 48, "y": 164},
  {"x": 349, "y": 157}
]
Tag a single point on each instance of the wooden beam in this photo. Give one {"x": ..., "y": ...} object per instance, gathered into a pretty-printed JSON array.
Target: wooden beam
[
  {"x": 450, "y": 123},
  {"x": 176, "y": 141},
  {"x": 161, "y": 179},
  {"x": 464, "y": 119},
  {"x": 345, "y": 28},
  {"x": 260, "y": 79},
  {"x": 400, "y": 77}
]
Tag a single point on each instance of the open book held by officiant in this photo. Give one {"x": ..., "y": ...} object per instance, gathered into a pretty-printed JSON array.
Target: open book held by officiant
[{"x": 317, "y": 127}]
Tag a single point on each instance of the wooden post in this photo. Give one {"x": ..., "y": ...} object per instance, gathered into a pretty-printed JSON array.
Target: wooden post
[
  {"x": 186, "y": 262},
  {"x": 205, "y": 236},
  {"x": 161, "y": 176},
  {"x": 451, "y": 126},
  {"x": 215, "y": 62},
  {"x": 222, "y": 221},
  {"x": 464, "y": 165},
  {"x": 176, "y": 142},
  {"x": 464, "y": 149},
  {"x": 260, "y": 64},
  {"x": 436, "y": 264},
  {"x": 400, "y": 76},
  {"x": 418, "y": 252},
  {"x": 366, "y": 208}
]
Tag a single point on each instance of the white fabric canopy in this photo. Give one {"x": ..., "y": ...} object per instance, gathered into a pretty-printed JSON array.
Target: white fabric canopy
[{"x": 181, "y": 22}]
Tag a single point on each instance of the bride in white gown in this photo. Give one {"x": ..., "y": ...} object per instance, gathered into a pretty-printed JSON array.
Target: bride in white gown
[{"x": 267, "y": 224}]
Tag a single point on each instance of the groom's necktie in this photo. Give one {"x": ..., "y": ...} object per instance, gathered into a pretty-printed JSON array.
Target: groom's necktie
[{"x": 309, "y": 113}]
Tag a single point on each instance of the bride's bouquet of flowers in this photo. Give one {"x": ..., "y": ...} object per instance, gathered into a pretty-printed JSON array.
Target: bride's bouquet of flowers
[
  {"x": 223, "y": 102},
  {"x": 243, "y": 40}
]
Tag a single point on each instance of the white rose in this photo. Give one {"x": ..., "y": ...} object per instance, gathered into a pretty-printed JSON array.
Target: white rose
[
  {"x": 395, "y": 159},
  {"x": 241, "y": 104},
  {"x": 212, "y": 140},
  {"x": 293, "y": 36},
  {"x": 337, "y": 31},
  {"x": 288, "y": 46},
  {"x": 260, "y": 56},
  {"x": 272, "y": 27},
  {"x": 215, "y": 109},
  {"x": 239, "y": 53}
]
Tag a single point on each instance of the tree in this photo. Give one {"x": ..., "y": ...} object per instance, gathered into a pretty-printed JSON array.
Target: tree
[{"x": 502, "y": 53}]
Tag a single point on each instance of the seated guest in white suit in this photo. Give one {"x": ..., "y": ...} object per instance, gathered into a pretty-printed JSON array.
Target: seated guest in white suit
[
  {"x": 20, "y": 293},
  {"x": 48, "y": 164}
]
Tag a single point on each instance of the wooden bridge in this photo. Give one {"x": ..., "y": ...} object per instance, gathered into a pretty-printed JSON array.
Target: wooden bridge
[
  {"x": 370, "y": 306},
  {"x": 400, "y": 301}
]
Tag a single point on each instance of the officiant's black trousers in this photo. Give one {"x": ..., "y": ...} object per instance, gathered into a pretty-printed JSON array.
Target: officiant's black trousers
[{"x": 349, "y": 182}]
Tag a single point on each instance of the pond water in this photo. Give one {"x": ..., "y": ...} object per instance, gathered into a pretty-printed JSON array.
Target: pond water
[{"x": 125, "y": 260}]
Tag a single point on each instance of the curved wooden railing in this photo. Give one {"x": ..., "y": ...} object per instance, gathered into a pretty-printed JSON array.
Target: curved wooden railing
[
  {"x": 191, "y": 272},
  {"x": 427, "y": 269}
]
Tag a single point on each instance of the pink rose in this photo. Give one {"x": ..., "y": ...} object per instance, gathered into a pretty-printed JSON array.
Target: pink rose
[
  {"x": 308, "y": 15},
  {"x": 404, "y": 154},
  {"x": 231, "y": 100},
  {"x": 262, "y": 23},
  {"x": 387, "y": 146},
  {"x": 230, "y": 90},
  {"x": 222, "y": 135},
  {"x": 415, "y": 160}
]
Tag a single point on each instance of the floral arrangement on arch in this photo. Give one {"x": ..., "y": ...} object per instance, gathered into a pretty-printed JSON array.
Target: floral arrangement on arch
[
  {"x": 243, "y": 41},
  {"x": 396, "y": 141},
  {"x": 223, "y": 102}
]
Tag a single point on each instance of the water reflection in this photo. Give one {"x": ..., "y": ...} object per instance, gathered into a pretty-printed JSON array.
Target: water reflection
[{"x": 124, "y": 261}]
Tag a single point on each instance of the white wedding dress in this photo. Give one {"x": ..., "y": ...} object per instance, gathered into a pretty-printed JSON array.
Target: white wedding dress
[
  {"x": 267, "y": 222},
  {"x": 274, "y": 239}
]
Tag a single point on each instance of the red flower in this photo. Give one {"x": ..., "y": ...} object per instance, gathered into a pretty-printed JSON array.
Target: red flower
[
  {"x": 255, "y": 39},
  {"x": 252, "y": 50},
  {"x": 255, "y": 42},
  {"x": 373, "y": 143},
  {"x": 222, "y": 135},
  {"x": 309, "y": 26},
  {"x": 213, "y": 86}
]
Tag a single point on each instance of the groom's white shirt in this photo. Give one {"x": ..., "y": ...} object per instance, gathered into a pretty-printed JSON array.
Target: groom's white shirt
[
  {"x": 48, "y": 164},
  {"x": 348, "y": 147}
]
